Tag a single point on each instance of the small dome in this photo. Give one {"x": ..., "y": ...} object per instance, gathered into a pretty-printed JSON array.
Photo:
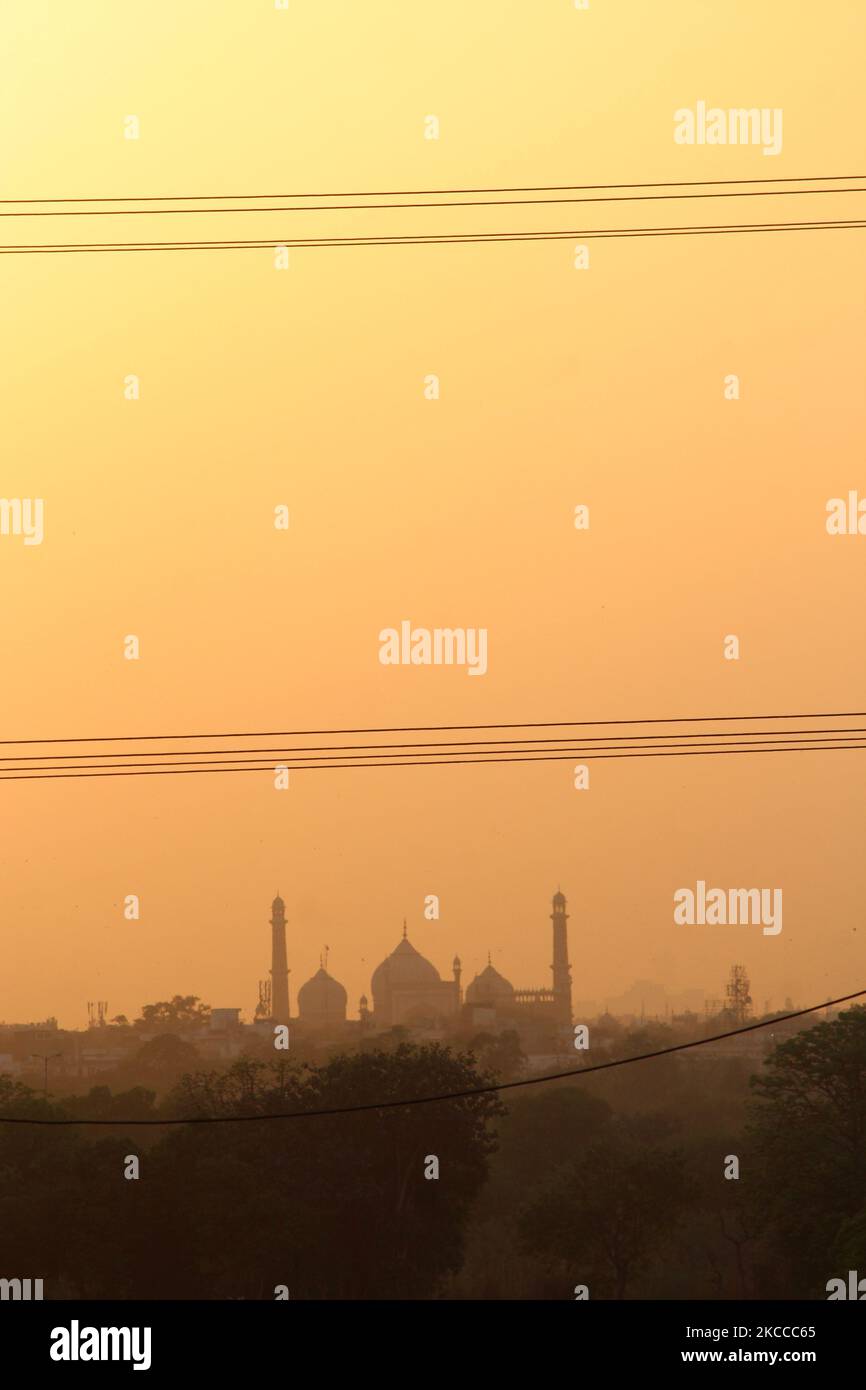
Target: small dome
[
  {"x": 558, "y": 899},
  {"x": 489, "y": 988},
  {"x": 404, "y": 966},
  {"x": 322, "y": 998},
  {"x": 278, "y": 906}
]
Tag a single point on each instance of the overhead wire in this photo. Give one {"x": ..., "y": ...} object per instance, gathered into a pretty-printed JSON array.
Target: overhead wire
[
  {"x": 454, "y": 239},
  {"x": 491, "y": 759},
  {"x": 433, "y": 192}
]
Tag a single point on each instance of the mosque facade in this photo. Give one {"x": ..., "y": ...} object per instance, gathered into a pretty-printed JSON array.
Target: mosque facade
[{"x": 408, "y": 991}]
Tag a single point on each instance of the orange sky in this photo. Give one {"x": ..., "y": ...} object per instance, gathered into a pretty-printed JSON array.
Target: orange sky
[{"x": 306, "y": 388}]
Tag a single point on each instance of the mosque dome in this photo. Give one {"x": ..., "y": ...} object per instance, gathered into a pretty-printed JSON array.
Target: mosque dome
[
  {"x": 405, "y": 966},
  {"x": 322, "y": 998},
  {"x": 489, "y": 988}
]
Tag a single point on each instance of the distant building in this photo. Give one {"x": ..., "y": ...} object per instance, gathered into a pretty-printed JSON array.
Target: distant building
[
  {"x": 490, "y": 989},
  {"x": 408, "y": 990},
  {"x": 322, "y": 1001},
  {"x": 279, "y": 963},
  {"x": 492, "y": 1002}
]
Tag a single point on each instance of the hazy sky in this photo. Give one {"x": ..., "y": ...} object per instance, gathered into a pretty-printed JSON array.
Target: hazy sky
[{"x": 305, "y": 387}]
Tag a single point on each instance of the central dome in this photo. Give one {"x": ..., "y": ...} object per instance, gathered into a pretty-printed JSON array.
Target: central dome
[{"x": 404, "y": 966}]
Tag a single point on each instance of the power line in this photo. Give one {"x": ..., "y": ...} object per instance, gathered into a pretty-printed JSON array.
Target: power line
[
  {"x": 826, "y": 738},
  {"x": 452, "y": 1095},
  {"x": 443, "y": 745},
  {"x": 456, "y": 239},
  {"x": 477, "y": 203},
  {"x": 448, "y": 728},
  {"x": 434, "y": 192},
  {"x": 377, "y": 759},
  {"x": 488, "y": 761}
]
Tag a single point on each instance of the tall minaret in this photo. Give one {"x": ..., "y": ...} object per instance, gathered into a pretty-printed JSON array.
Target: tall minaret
[
  {"x": 279, "y": 963},
  {"x": 561, "y": 968}
]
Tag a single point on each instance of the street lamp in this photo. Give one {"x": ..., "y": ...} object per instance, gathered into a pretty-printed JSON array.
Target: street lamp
[{"x": 41, "y": 1057}]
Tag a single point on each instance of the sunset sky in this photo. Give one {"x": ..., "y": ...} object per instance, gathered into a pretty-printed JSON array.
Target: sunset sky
[{"x": 306, "y": 388}]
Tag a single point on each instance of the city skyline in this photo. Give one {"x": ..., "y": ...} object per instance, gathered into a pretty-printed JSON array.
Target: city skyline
[{"x": 642, "y": 996}]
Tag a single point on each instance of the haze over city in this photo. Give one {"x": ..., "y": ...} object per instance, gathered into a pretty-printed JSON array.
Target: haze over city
[{"x": 431, "y": 537}]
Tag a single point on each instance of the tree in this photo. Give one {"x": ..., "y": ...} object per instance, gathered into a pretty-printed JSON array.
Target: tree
[
  {"x": 183, "y": 1011},
  {"x": 100, "y": 1103},
  {"x": 500, "y": 1053},
  {"x": 849, "y": 1247},
  {"x": 336, "y": 1206},
  {"x": 545, "y": 1128},
  {"x": 161, "y": 1061},
  {"x": 603, "y": 1216},
  {"x": 808, "y": 1125},
  {"x": 42, "y": 1165}
]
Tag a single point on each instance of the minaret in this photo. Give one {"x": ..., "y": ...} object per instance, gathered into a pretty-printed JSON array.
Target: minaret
[
  {"x": 279, "y": 963},
  {"x": 458, "y": 970},
  {"x": 561, "y": 968}
]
